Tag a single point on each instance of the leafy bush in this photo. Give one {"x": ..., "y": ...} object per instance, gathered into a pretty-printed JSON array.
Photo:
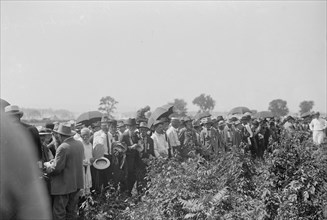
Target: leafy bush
[{"x": 290, "y": 183}]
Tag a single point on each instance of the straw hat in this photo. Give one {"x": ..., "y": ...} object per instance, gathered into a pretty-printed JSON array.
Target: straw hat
[
  {"x": 143, "y": 125},
  {"x": 13, "y": 110},
  {"x": 131, "y": 122},
  {"x": 64, "y": 129},
  {"x": 101, "y": 163}
]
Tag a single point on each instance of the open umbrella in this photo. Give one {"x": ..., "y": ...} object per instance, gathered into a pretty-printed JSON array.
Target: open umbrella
[
  {"x": 201, "y": 115},
  {"x": 88, "y": 118},
  {"x": 239, "y": 110},
  {"x": 264, "y": 114},
  {"x": 306, "y": 114},
  {"x": 160, "y": 112}
]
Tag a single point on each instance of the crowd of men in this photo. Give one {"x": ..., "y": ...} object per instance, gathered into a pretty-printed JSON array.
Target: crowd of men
[{"x": 76, "y": 159}]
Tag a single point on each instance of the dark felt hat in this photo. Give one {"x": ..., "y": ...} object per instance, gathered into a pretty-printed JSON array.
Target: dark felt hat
[{"x": 131, "y": 122}]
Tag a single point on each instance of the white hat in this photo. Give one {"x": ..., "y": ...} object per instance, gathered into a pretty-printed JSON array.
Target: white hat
[
  {"x": 101, "y": 163},
  {"x": 13, "y": 110}
]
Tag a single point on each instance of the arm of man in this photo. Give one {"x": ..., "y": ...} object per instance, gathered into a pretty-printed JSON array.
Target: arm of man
[{"x": 59, "y": 161}]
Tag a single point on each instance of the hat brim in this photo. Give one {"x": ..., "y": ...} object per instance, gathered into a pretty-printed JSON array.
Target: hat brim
[
  {"x": 70, "y": 134},
  {"x": 131, "y": 124},
  {"x": 144, "y": 127},
  {"x": 45, "y": 133},
  {"x": 101, "y": 163},
  {"x": 19, "y": 114}
]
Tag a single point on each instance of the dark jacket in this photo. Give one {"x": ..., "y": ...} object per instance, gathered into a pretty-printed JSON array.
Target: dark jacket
[{"x": 68, "y": 168}]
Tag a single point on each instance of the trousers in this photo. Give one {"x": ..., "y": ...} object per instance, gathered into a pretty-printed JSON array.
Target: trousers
[
  {"x": 318, "y": 136},
  {"x": 65, "y": 206}
]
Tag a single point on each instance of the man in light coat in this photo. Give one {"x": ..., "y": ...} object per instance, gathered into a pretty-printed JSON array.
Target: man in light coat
[{"x": 317, "y": 126}]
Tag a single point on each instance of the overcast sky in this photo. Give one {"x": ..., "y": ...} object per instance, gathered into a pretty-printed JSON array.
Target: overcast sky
[{"x": 67, "y": 55}]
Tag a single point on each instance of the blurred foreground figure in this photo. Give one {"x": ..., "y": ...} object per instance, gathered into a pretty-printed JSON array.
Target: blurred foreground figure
[{"x": 22, "y": 194}]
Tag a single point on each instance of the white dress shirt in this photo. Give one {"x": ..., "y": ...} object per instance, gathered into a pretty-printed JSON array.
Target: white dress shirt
[
  {"x": 318, "y": 124},
  {"x": 173, "y": 137},
  {"x": 160, "y": 145},
  {"x": 99, "y": 138}
]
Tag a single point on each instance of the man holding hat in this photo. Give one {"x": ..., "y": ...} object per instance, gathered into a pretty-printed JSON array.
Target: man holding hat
[
  {"x": 102, "y": 147},
  {"x": 66, "y": 172}
]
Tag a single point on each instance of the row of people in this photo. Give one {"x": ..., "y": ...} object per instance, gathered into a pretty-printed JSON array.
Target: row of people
[{"x": 67, "y": 153}]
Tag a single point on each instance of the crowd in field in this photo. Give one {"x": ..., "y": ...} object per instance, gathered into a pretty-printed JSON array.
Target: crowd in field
[{"x": 76, "y": 160}]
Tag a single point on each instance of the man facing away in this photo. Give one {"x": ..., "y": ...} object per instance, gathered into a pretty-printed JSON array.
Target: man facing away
[{"x": 66, "y": 174}]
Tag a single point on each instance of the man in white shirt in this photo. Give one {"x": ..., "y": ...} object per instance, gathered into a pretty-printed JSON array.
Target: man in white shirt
[
  {"x": 317, "y": 127},
  {"x": 160, "y": 142},
  {"x": 102, "y": 140},
  {"x": 172, "y": 134}
]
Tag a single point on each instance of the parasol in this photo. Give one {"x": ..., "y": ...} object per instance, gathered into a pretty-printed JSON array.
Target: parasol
[
  {"x": 264, "y": 114},
  {"x": 307, "y": 114},
  {"x": 201, "y": 115},
  {"x": 239, "y": 110},
  {"x": 88, "y": 118},
  {"x": 160, "y": 112}
]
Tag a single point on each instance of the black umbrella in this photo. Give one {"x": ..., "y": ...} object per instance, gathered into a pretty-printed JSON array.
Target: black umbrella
[
  {"x": 201, "y": 115},
  {"x": 88, "y": 118},
  {"x": 160, "y": 112},
  {"x": 264, "y": 114},
  {"x": 239, "y": 110}
]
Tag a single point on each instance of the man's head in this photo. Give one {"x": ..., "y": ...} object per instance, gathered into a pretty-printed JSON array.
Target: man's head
[
  {"x": 221, "y": 125},
  {"x": 85, "y": 135},
  {"x": 245, "y": 119},
  {"x": 161, "y": 125},
  {"x": 105, "y": 124},
  {"x": 113, "y": 126},
  {"x": 63, "y": 132},
  {"x": 143, "y": 128},
  {"x": 45, "y": 135},
  {"x": 14, "y": 112},
  {"x": 229, "y": 123},
  {"x": 187, "y": 122},
  {"x": 131, "y": 124},
  {"x": 121, "y": 126},
  {"x": 207, "y": 122},
  {"x": 316, "y": 115},
  {"x": 255, "y": 124},
  {"x": 175, "y": 122}
]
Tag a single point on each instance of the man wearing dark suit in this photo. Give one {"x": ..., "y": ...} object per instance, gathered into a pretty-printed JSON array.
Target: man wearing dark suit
[
  {"x": 146, "y": 152},
  {"x": 66, "y": 171},
  {"x": 130, "y": 139}
]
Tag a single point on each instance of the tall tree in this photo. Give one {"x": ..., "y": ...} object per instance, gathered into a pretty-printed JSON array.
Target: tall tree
[
  {"x": 205, "y": 102},
  {"x": 306, "y": 106},
  {"x": 107, "y": 105},
  {"x": 180, "y": 107},
  {"x": 278, "y": 107}
]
